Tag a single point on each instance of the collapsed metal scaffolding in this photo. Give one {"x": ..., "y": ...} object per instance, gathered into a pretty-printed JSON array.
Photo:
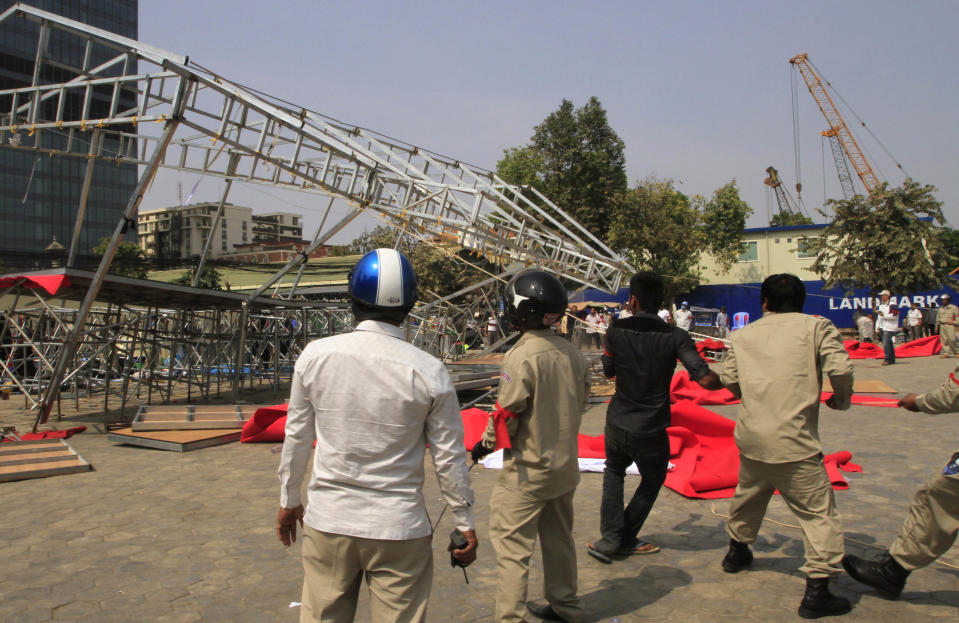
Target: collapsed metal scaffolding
[{"x": 190, "y": 119}]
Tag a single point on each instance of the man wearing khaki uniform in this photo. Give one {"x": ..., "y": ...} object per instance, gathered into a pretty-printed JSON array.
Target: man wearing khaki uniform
[
  {"x": 775, "y": 366},
  {"x": 946, "y": 322},
  {"x": 932, "y": 523},
  {"x": 542, "y": 391}
]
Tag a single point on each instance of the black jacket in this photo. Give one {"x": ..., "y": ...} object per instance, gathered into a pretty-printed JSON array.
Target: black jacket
[{"x": 641, "y": 353}]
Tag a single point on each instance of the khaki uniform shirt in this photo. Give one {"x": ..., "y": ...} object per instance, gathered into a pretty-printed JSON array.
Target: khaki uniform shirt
[
  {"x": 545, "y": 382},
  {"x": 775, "y": 366},
  {"x": 943, "y": 400},
  {"x": 948, "y": 314}
]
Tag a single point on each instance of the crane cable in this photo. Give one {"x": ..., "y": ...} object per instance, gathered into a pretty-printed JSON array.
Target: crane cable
[
  {"x": 793, "y": 85},
  {"x": 861, "y": 122}
]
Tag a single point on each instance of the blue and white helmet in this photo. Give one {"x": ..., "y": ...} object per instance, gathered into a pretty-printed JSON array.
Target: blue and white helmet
[{"x": 384, "y": 279}]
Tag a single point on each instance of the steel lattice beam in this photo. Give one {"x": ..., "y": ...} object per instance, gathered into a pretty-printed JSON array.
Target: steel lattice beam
[{"x": 272, "y": 143}]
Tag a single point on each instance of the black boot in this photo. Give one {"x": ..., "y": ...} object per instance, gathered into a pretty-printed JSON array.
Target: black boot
[
  {"x": 819, "y": 602},
  {"x": 738, "y": 557},
  {"x": 885, "y": 575}
]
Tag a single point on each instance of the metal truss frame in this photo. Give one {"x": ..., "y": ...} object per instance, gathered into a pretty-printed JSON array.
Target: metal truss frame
[{"x": 188, "y": 118}]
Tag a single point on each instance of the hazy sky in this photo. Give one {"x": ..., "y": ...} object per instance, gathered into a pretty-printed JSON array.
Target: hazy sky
[{"x": 698, "y": 91}]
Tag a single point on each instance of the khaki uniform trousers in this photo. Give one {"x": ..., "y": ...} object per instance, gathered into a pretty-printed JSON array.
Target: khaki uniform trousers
[
  {"x": 947, "y": 336},
  {"x": 399, "y": 575},
  {"x": 516, "y": 518},
  {"x": 931, "y": 526},
  {"x": 806, "y": 489}
]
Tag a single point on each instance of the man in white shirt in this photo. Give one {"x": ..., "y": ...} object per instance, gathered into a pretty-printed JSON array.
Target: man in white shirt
[
  {"x": 914, "y": 322},
  {"x": 665, "y": 315},
  {"x": 887, "y": 321},
  {"x": 373, "y": 403},
  {"x": 595, "y": 328},
  {"x": 684, "y": 317},
  {"x": 492, "y": 330}
]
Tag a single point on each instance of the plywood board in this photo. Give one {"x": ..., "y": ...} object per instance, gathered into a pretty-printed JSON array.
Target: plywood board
[
  {"x": 863, "y": 386},
  {"x": 21, "y": 460},
  {"x": 190, "y": 417},
  {"x": 603, "y": 389},
  {"x": 174, "y": 440}
]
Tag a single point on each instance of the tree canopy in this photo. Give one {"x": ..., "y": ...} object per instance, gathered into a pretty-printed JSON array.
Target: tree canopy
[
  {"x": 577, "y": 160},
  {"x": 888, "y": 239},
  {"x": 659, "y": 228},
  {"x": 784, "y": 219},
  {"x": 211, "y": 279},
  {"x": 436, "y": 271},
  {"x": 129, "y": 260}
]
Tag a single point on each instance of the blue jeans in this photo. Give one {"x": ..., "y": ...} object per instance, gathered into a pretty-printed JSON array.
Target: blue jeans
[
  {"x": 887, "y": 347},
  {"x": 651, "y": 455}
]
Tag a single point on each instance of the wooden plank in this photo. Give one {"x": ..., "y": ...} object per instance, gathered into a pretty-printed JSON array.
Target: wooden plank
[
  {"x": 58, "y": 459},
  {"x": 863, "y": 386},
  {"x": 35, "y": 457},
  {"x": 174, "y": 440},
  {"x": 31, "y": 445},
  {"x": 206, "y": 417}
]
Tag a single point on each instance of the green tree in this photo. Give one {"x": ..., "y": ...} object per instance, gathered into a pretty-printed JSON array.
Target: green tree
[
  {"x": 210, "y": 280},
  {"x": 577, "y": 160},
  {"x": 723, "y": 219},
  {"x": 888, "y": 239},
  {"x": 784, "y": 219},
  {"x": 436, "y": 271},
  {"x": 659, "y": 228},
  {"x": 129, "y": 260}
]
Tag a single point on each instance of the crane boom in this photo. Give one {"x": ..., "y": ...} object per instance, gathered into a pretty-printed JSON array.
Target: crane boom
[
  {"x": 837, "y": 125},
  {"x": 772, "y": 180}
]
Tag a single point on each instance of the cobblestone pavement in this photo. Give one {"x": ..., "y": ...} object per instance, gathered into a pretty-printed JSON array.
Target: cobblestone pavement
[{"x": 161, "y": 536}]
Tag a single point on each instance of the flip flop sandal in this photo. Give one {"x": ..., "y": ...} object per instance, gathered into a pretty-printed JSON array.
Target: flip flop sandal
[
  {"x": 642, "y": 548},
  {"x": 598, "y": 555}
]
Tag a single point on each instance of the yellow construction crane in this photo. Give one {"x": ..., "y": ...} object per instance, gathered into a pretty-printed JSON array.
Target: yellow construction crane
[{"x": 840, "y": 138}]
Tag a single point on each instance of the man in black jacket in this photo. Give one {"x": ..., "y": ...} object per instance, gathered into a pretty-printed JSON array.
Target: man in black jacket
[{"x": 641, "y": 353}]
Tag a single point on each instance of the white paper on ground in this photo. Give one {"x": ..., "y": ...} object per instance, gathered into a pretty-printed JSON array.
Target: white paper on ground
[{"x": 495, "y": 461}]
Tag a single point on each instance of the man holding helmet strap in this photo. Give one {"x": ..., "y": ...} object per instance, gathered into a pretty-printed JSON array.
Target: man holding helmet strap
[
  {"x": 372, "y": 402},
  {"x": 542, "y": 391}
]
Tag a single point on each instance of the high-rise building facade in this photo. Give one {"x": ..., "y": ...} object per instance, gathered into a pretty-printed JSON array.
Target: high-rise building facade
[
  {"x": 181, "y": 232},
  {"x": 40, "y": 196}
]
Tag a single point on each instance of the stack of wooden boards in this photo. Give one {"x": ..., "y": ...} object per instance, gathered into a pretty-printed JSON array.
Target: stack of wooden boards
[
  {"x": 182, "y": 428},
  {"x": 20, "y": 460}
]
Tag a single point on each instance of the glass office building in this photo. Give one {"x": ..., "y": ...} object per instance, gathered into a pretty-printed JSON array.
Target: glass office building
[{"x": 40, "y": 196}]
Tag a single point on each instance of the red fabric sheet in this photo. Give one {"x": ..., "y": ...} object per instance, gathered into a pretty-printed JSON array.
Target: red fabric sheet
[
  {"x": 268, "y": 424},
  {"x": 701, "y": 447},
  {"x": 51, "y": 434},
  {"x": 50, "y": 283},
  {"x": 923, "y": 347},
  {"x": 682, "y": 388}
]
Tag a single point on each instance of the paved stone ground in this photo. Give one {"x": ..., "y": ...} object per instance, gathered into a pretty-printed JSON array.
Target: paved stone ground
[{"x": 161, "y": 536}]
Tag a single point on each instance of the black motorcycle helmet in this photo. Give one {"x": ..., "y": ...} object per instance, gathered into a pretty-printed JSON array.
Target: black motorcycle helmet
[{"x": 535, "y": 299}]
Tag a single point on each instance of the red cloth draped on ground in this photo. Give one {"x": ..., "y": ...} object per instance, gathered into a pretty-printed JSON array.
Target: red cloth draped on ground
[
  {"x": 50, "y": 283},
  {"x": 50, "y": 434},
  {"x": 923, "y": 347},
  {"x": 868, "y": 401},
  {"x": 701, "y": 447},
  {"x": 268, "y": 424},
  {"x": 709, "y": 344},
  {"x": 682, "y": 388}
]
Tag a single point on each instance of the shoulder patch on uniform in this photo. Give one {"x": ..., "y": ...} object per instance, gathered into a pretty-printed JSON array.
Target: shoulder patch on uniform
[{"x": 504, "y": 377}]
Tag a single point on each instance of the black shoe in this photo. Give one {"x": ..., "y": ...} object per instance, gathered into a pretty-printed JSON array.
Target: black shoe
[
  {"x": 819, "y": 602},
  {"x": 544, "y": 612},
  {"x": 885, "y": 575},
  {"x": 738, "y": 557}
]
